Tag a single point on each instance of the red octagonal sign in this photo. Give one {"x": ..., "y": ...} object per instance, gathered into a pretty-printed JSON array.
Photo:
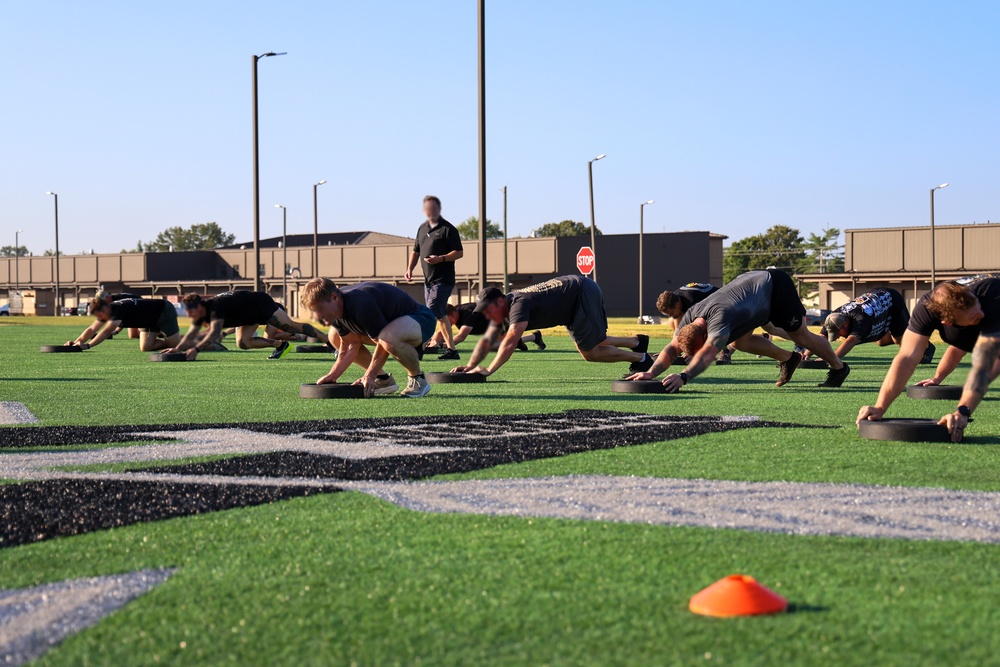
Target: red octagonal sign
[{"x": 585, "y": 260}]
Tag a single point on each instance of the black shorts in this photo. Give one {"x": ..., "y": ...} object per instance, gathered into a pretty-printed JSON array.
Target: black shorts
[
  {"x": 899, "y": 315},
  {"x": 590, "y": 322},
  {"x": 167, "y": 322},
  {"x": 787, "y": 311},
  {"x": 436, "y": 297}
]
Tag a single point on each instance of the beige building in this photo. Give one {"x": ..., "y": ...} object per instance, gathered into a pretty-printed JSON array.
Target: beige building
[
  {"x": 670, "y": 260},
  {"x": 900, "y": 258}
]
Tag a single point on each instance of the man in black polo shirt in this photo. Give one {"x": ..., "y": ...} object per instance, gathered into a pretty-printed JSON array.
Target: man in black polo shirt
[
  {"x": 968, "y": 318},
  {"x": 156, "y": 320},
  {"x": 765, "y": 299},
  {"x": 438, "y": 246},
  {"x": 378, "y": 315},
  {"x": 246, "y": 311},
  {"x": 574, "y": 302},
  {"x": 108, "y": 297},
  {"x": 469, "y": 322},
  {"x": 877, "y": 316}
]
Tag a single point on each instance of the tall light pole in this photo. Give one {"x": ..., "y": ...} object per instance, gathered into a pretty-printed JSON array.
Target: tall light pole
[
  {"x": 506, "y": 283},
  {"x": 481, "y": 20},
  {"x": 256, "y": 175},
  {"x": 933, "y": 258},
  {"x": 58, "y": 310},
  {"x": 17, "y": 254},
  {"x": 593, "y": 234},
  {"x": 316, "y": 229},
  {"x": 284, "y": 254},
  {"x": 642, "y": 206}
]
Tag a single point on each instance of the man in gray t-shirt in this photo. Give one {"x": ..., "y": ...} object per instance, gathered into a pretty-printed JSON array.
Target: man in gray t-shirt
[{"x": 765, "y": 299}]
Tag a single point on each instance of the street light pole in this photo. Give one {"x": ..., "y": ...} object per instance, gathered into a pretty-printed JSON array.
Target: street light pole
[
  {"x": 642, "y": 206},
  {"x": 481, "y": 51},
  {"x": 316, "y": 230},
  {"x": 58, "y": 310},
  {"x": 284, "y": 255},
  {"x": 593, "y": 234},
  {"x": 933, "y": 258},
  {"x": 17, "y": 254},
  {"x": 506, "y": 282},
  {"x": 256, "y": 174}
]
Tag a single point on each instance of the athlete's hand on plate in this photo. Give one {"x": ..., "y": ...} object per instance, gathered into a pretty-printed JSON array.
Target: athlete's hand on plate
[
  {"x": 956, "y": 424},
  {"x": 640, "y": 376},
  {"x": 368, "y": 382},
  {"x": 326, "y": 379},
  {"x": 460, "y": 369},
  {"x": 480, "y": 370},
  {"x": 192, "y": 354},
  {"x": 929, "y": 382},
  {"x": 869, "y": 413},
  {"x": 672, "y": 383}
]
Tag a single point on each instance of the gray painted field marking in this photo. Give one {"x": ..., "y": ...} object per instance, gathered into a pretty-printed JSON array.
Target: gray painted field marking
[
  {"x": 794, "y": 508},
  {"x": 14, "y": 412},
  {"x": 33, "y": 620}
]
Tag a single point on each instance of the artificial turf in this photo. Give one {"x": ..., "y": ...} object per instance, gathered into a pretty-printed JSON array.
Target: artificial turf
[{"x": 343, "y": 578}]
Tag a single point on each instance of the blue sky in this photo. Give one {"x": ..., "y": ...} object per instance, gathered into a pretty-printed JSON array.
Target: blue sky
[{"x": 733, "y": 116}]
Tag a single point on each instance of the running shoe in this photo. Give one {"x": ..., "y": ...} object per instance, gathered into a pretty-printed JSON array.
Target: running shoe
[
  {"x": 281, "y": 350},
  {"x": 538, "y": 340},
  {"x": 725, "y": 357},
  {"x": 385, "y": 384},
  {"x": 643, "y": 345},
  {"x": 521, "y": 346},
  {"x": 417, "y": 387},
  {"x": 449, "y": 355},
  {"x": 835, "y": 378},
  {"x": 928, "y": 354},
  {"x": 643, "y": 364},
  {"x": 788, "y": 369}
]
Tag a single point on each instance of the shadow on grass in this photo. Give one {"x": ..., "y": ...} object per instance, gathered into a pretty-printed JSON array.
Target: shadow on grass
[
  {"x": 52, "y": 379},
  {"x": 795, "y": 608},
  {"x": 618, "y": 398}
]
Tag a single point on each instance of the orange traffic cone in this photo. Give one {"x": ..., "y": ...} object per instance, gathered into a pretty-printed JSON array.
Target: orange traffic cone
[{"x": 737, "y": 595}]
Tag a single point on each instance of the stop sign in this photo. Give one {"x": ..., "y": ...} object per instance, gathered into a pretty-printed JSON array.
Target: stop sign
[{"x": 585, "y": 260}]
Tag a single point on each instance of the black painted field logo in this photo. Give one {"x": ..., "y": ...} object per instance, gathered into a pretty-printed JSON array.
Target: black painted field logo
[{"x": 116, "y": 476}]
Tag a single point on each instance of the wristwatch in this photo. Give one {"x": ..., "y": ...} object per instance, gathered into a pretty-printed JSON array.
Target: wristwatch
[
  {"x": 684, "y": 377},
  {"x": 965, "y": 412}
]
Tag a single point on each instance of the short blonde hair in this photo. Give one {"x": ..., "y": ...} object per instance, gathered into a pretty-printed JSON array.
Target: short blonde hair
[
  {"x": 318, "y": 289},
  {"x": 97, "y": 303},
  {"x": 690, "y": 335}
]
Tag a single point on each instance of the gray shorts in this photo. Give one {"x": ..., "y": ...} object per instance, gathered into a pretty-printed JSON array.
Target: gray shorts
[
  {"x": 167, "y": 324},
  {"x": 436, "y": 297},
  {"x": 590, "y": 323}
]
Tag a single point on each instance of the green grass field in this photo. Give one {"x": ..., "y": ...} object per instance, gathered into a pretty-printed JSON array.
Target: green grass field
[{"x": 348, "y": 579}]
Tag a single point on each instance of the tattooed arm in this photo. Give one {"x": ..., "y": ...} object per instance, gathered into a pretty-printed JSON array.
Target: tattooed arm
[{"x": 984, "y": 358}]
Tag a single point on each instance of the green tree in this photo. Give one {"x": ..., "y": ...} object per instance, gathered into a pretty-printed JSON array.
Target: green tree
[
  {"x": 469, "y": 230},
  {"x": 204, "y": 236},
  {"x": 11, "y": 251},
  {"x": 779, "y": 246},
  {"x": 823, "y": 253},
  {"x": 565, "y": 228}
]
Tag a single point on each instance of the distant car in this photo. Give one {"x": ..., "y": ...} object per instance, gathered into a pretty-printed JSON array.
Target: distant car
[
  {"x": 5, "y": 309},
  {"x": 815, "y": 317}
]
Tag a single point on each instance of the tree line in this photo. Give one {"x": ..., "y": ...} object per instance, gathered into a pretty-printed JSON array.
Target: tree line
[
  {"x": 469, "y": 229},
  {"x": 784, "y": 248}
]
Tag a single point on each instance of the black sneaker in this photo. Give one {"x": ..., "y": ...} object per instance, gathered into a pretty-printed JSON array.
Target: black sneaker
[
  {"x": 521, "y": 346},
  {"x": 420, "y": 352},
  {"x": 643, "y": 345},
  {"x": 725, "y": 357},
  {"x": 538, "y": 340},
  {"x": 433, "y": 349},
  {"x": 643, "y": 364},
  {"x": 836, "y": 378},
  {"x": 449, "y": 355},
  {"x": 788, "y": 369},
  {"x": 280, "y": 351},
  {"x": 928, "y": 354}
]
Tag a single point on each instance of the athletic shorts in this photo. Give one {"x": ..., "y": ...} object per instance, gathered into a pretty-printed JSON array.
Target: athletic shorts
[
  {"x": 167, "y": 324},
  {"x": 787, "y": 311},
  {"x": 436, "y": 297},
  {"x": 428, "y": 323},
  {"x": 899, "y": 315},
  {"x": 590, "y": 323}
]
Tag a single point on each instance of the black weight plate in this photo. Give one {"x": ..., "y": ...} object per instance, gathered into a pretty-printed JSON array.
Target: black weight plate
[
  {"x": 336, "y": 390},
  {"x": 637, "y": 387},
  {"x": 454, "y": 378},
  {"x": 168, "y": 356},
  {"x": 906, "y": 430},
  {"x": 315, "y": 349},
  {"x": 61, "y": 348},
  {"x": 950, "y": 392},
  {"x": 814, "y": 363}
]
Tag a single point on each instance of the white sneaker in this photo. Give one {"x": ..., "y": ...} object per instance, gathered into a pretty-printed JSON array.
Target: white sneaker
[
  {"x": 417, "y": 387},
  {"x": 386, "y": 385}
]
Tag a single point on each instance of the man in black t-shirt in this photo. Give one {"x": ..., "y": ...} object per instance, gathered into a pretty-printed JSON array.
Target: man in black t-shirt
[
  {"x": 378, "y": 315},
  {"x": 765, "y": 299},
  {"x": 155, "y": 319},
  {"x": 438, "y": 246},
  {"x": 968, "y": 318},
  {"x": 570, "y": 301},
  {"x": 469, "y": 322},
  {"x": 877, "y": 316},
  {"x": 109, "y": 297},
  {"x": 246, "y": 311}
]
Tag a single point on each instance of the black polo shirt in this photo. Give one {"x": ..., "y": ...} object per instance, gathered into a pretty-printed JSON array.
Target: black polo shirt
[
  {"x": 468, "y": 318},
  {"x": 139, "y": 313},
  {"x": 923, "y": 322},
  {"x": 440, "y": 239}
]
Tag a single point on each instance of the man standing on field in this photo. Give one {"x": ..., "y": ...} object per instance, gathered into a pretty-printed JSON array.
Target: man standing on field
[{"x": 438, "y": 246}]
